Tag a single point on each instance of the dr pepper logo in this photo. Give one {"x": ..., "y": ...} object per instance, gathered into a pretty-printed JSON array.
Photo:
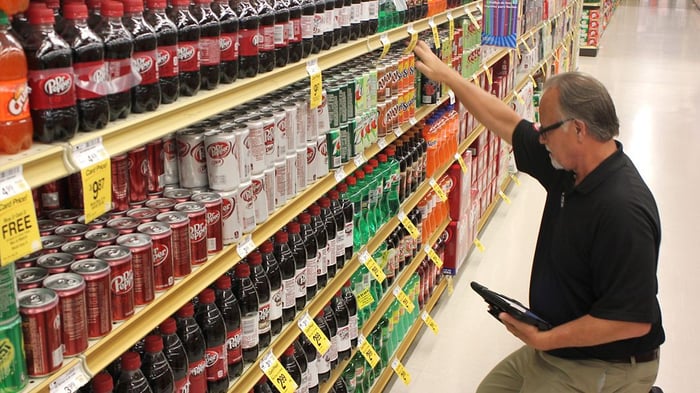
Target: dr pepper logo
[
  {"x": 123, "y": 283},
  {"x": 217, "y": 151},
  {"x": 143, "y": 63},
  {"x": 185, "y": 53},
  {"x": 160, "y": 253},
  {"x": 227, "y": 207},
  {"x": 58, "y": 84}
]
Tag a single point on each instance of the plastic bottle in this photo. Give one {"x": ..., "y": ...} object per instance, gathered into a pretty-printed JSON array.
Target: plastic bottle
[
  {"x": 272, "y": 269},
  {"x": 348, "y": 212},
  {"x": 94, "y": 13},
  {"x": 308, "y": 233},
  {"x": 321, "y": 234},
  {"x": 356, "y": 19},
  {"x": 247, "y": 297},
  {"x": 16, "y": 127},
  {"x": 281, "y": 32},
  {"x": 331, "y": 233},
  {"x": 102, "y": 383},
  {"x": 312, "y": 363},
  {"x": 351, "y": 304},
  {"x": 340, "y": 386},
  {"x": 287, "y": 267},
  {"x": 319, "y": 26},
  {"x": 323, "y": 363},
  {"x": 289, "y": 362},
  {"x": 338, "y": 214},
  {"x": 167, "y": 50},
  {"x": 20, "y": 22},
  {"x": 210, "y": 320},
  {"x": 353, "y": 195},
  {"x": 364, "y": 18},
  {"x": 193, "y": 340},
  {"x": 175, "y": 354},
  {"x": 308, "y": 20},
  {"x": 131, "y": 379},
  {"x": 332, "y": 322},
  {"x": 373, "y": 17},
  {"x": 337, "y": 21},
  {"x": 296, "y": 50},
  {"x": 329, "y": 25},
  {"x": 209, "y": 49},
  {"x": 227, "y": 303},
  {"x": 188, "y": 34},
  {"x": 228, "y": 41},
  {"x": 263, "y": 386},
  {"x": 50, "y": 64},
  {"x": 363, "y": 223},
  {"x": 342, "y": 315},
  {"x": 249, "y": 24},
  {"x": 11, "y": 7},
  {"x": 300, "y": 356},
  {"x": 345, "y": 21},
  {"x": 145, "y": 97},
  {"x": 155, "y": 366},
  {"x": 262, "y": 287},
  {"x": 266, "y": 45}
]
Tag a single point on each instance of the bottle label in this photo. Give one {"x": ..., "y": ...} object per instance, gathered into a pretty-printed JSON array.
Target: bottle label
[
  {"x": 364, "y": 16},
  {"x": 373, "y": 9},
  {"x": 340, "y": 243},
  {"x": 248, "y": 42},
  {"x": 336, "y": 18},
  {"x": 345, "y": 16},
  {"x": 249, "y": 326},
  {"x": 307, "y": 26},
  {"x": 330, "y": 252},
  {"x": 323, "y": 363},
  {"x": 356, "y": 13},
  {"x": 276, "y": 303},
  {"x": 228, "y": 45},
  {"x": 344, "y": 338},
  {"x": 90, "y": 77},
  {"x": 51, "y": 89},
  {"x": 288, "y": 292},
  {"x": 168, "y": 64},
  {"x": 322, "y": 266},
  {"x": 352, "y": 325},
  {"x": 234, "y": 350},
  {"x": 217, "y": 365},
  {"x": 198, "y": 377},
  {"x": 182, "y": 385},
  {"x": 295, "y": 33},
  {"x": 304, "y": 387},
  {"x": 209, "y": 52},
  {"x": 264, "y": 318},
  {"x": 281, "y": 35},
  {"x": 14, "y": 100},
  {"x": 147, "y": 66},
  {"x": 188, "y": 56},
  {"x": 300, "y": 283},
  {"x": 123, "y": 75},
  {"x": 268, "y": 38},
  {"x": 328, "y": 21},
  {"x": 312, "y": 368},
  {"x": 334, "y": 348},
  {"x": 319, "y": 26},
  {"x": 312, "y": 271}
]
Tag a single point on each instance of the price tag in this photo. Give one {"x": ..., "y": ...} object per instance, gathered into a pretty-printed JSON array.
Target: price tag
[
  {"x": 414, "y": 39},
  {"x": 436, "y": 35},
  {"x": 359, "y": 160},
  {"x": 517, "y": 95},
  {"x": 339, "y": 175},
  {"x": 314, "y": 333},
  {"x": 504, "y": 197},
  {"x": 381, "y": 142},
  {"x": 96, "y": 174},
  {"x": 372, "y": 266},
  {"x": 479, "y": 245},
  {"x": 245, "y": 247},
  {"x": 461, "y": 162},
  {"x": 451, "y": 23},
  {"x": 364, "y": 299},
  {"x": 450, "y": 286},
  {"x": 489, "y": 76},
  {"x": 367, "y": 351},
  {"x": 452, "y": 97},
  {"x": 532, "y": 79},
  {"x": 403, "y": 299},
  {"x": 515, "y": 179},
  {"x": 429, "y": 321},
  {"x": 19, "y": 230},
  {"x": 400, "y": 370},
  {"x": 316, "y": 83},
  {"x": 471, "y": 16},
  {"x": 438, "y": 190},
  {"x": 433, "y": 256},
  {"x": 413, "y": 121},
  {"x": 386, "y": 44},
  {"x": 277, "y": 374},
  {"x": 71, "y": 380},
  {"x": 398, "y": 131},
  {"x": 408, "y": 224}
]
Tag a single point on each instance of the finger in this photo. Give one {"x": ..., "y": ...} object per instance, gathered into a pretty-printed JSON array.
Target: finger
[
  {"x": 424, "y": 69},
  {"x": 421, "y": 49}
]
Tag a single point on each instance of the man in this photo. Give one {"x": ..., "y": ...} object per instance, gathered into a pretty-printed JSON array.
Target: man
[{"x": 594, "y": 271}]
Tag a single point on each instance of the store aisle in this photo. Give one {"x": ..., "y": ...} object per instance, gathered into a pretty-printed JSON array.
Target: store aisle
[{"x": 649, "y": 59}]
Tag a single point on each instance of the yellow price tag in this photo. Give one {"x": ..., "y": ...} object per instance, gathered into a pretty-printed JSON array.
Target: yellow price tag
[
  {"x": 532, "y": 79},
  {"x": 543, "y": 68},
  {"x": 277, "y": 374},
  {"x": 96, "y": 175},
  {"x": 372, "y": 266},
  {"x": 471, "y": 16},
  {"x": 489, "y": 75},
  {"x": 504, "y": 197},
  {"x": 316, "y": 83},
  {"x": 433, "y": 256},
  {"x": 18, "y": 224},
  {"x": 517, "y": 95},
  {"x": 515, "y": 179},
  {"x": 430, "y": 322},
  {"x": 451, "y": 23},
  {"x": 414, "y": 39},
  {"x": 438, "y": 190},
  {"x": 314, "y": 333},
  {"x": 408, "y": 224},
  {"x": 386, "y": 44},
  {"x": 479, "y": 245},
  {"x": 404, "y": 299},
  {"x": 367, "y": 351},
  {"x": 400, "y": 370},
  {"x": 436, "y": 34},
  {"x": 450, "y": 286},
  {"x": 364, "y": 299},
  {"x": 461, "y": 162}
]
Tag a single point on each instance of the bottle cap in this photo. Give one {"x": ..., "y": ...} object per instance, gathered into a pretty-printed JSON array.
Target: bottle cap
[
  {"x": 333, "y": 195},
  {"x": 112, "y": 9},
  {"x": 181, "y": 3},
  {"x": 254, "y": 258},
  {"x": 315, "y": 210},
  {"x": 292, "y": 227},
  {"x": 373, "y": 163},
  {"x": 186, "y": 311},
  {"x": 368, "y": 169},
  {"x": 321, "y": 313},
  {"x": 242, "y": 270},
  {"x": 156, "y": 4},
  {"x": 223, "y": 282},
  {"x": 324, "y": 202},
  {"x": 102, "y": 383},
  {"x": 382, "y": 157},
  {"x": 131, "y": 361},
  {"x": 94, "y": 4},
  {"x": 289, "y": 351},
  {"x": 342, "y": 187},
  {"x": 168, "y": 326},
  {"x": 75, "y": 11},
  {"x": 207, "y": 296},
  {"x": 154, "y": 343},
  {"x": 202, "y": 1},
  {"x": 304, "y": 218},
  {"x": 347, "y": 284},
  {"x": 133, "y": 5},
  {"x": 359, "y": 174},
  {"x": 282, "y": 236},
  {"x": 40, "y": 15},
  {"x": 266, "y": 247}
]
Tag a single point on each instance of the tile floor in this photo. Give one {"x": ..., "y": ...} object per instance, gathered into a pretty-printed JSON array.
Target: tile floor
[{"x": 650, "y": 61}]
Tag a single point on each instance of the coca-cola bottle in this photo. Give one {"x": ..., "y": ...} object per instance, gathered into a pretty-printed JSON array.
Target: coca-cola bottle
[
  {"x": 308, "y": 20},
  {"x": 285, "y": 260},
  {"x": 167, "y": 50},
  {"x": 155, "y": 366},
  {"x": 289, "y": 362},
  {"x": 298, "y": 248},
  {"x": 228, "y": 41},
  {"x": 211, "y": 322},
  {"x": 138, "y": 346},
  {"x": 266, "y": 45},
  {"x": 249, "y": 24},
  {"x": 50, "y": 77},
  {"x": 272, "y": 269},
  {"x": 319, "y": 26},
  {"x": 193, "y": 340},
  {"x": 329, "y": 24},
  {"x": 209, "y": 50},
  {"x": 323, "y": 362},
  {"x": 296, "y": 51},
  {"x": 175, "y": 354},
  {"x": 228, "y": 305},
  {"x": 342, "y": 315},
  {"x": 282, "y": 32},
  {"x": 262, "y": 287},
  {"x": 145, "y": 97},
  {"x": 247, "y": 296},
  {"x": 337, "y": 211},
  {"x": 131, "y": 379},
  {"x": 300, "y": 356},
  {"x": 188, "y": 33},
  {"x": 351, "y": 304},
  {"x": 331, "y": 233},
  {"x": 348, "y": 213},
  {"x": 333, "y": 325},
  {"x": 311, "y": 361},
  {"x": 102, "y": 383},
  {"x": 308, "y": 233},
  {"x": 321, "y": 235}
]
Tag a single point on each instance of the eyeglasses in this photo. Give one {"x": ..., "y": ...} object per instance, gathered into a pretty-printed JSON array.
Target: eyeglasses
[{"x": 553, "y": 127}]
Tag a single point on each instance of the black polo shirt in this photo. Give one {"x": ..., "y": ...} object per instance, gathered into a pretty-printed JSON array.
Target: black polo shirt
[{"x": 597, "y": 248}]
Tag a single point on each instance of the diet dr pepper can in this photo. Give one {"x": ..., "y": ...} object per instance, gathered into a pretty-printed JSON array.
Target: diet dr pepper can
[
  {"x": 70, "y": 288},
  {"x": 121, "y": 280},
  {"x": 96, "y": 272},
  {"x": 41, "y": 329},
  {"x": 213, "y": 204},
  {"x": 198, "y": 230},
  {"x": 180, "y": 238},
  {"x": 161, "y": 236},
  {"x": 223, "y": 166},
  {"x": 141, "y": 249},
  {"x": 191, "y": 159}
]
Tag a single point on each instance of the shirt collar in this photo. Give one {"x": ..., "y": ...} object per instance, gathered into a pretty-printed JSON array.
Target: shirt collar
[{"x": 606, "y": 168}]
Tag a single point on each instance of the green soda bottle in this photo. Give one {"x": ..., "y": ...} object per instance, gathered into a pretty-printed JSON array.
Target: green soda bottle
[
  {"x": 363, "y": 224},
  {"x": 354, "y": 196},
  {"x": 371, "y": 189},
  {"x": 349, "y": 376}
]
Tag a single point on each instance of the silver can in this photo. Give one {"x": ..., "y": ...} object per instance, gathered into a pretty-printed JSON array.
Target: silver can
[
  {"x": 232, "y": 228},
  {"x": 269, "y": 129},
  {"x": 291, "y": 118},
  {"x": 191, "y": 159},
  {"x": 301, "y": 110},
  {"x": 259, "y": 198},
  {"x": 311, "y": 121},
  {"x": 256, "y": 144},
  {"x": 301, "y": 181},
  {"x": 322, "y": 153},
  {"x": 270, "y": 189},
  {"x": 322, "y": 115},
  {"x": 280, "y": 183},
  {"x": 311, "y": 162},
  {"x": 223, "y": 169},
  {"x": 291, "y": 172},
  {"x": 281, "y": 129},
  {"x": 242, "y": 152},
  {"x": 245, "y": 203}
]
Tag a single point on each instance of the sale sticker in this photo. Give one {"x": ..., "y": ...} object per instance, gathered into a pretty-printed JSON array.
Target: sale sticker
[
  {"x": 19, "y": 229},
  {"x": 96, "y": 175},
  {"x": 314, "y": 333},
  {"x": 433, "y": 256},
  {"x": 364, "y": 299},
  {"x": 400, "y": 370},
  {"x": 430, "y": 322},
  {"x": 403, "y": 299},
  {"x": 279, "y": 377},
  {"x": 438, "y": 190},
  {"x": 316, "y": 83},
  {"x": 367, "y": 351},
  {"x": 372, "y": 266}
]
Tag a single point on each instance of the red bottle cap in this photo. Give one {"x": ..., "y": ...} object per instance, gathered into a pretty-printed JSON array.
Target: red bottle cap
[
  {"x": 112, "y": 9},
  {"x": 368, "y": 169},
  {"x": 94, "y": 4},
  {"x": 324, "y": 202},
  {"x": 202, "y": 1},
  {"x": 133, "y": 5},
  {"x": 266, "y": 247},
  {"x": 154, "y": 343},
  {"x": 242, "y": 270},
  {"x": 347, "y": 284},
  {"x": 207, "y": 296},
  {"x": 374, "y": 163},
  {"x": 289, "y": 351},
  {"x": 382, "y": 158},
  {"x": 102, "y": 383},
  {"x": 40, "y": 15},
  {"x": 282, "y": 236},
  {"x": 351, "y": 181},
  {"x": 293, "y": 227},
  {"x": 333, "y": 195},
  {"x": 338, "y": 294},
  {"x": 181, "y": 3},
  {"x": 156, "y": 4},
  {"x": 131, "y": 361},
  {"x": 390, "y": 151},
  {"x": 359, "y": 174},
  {"x": 223, "y": 282},
  {"x": 342, "y": 187},
  {"x": 254, "y": 258},
  {"x": 321, "y": 313},
  {"x": 315, "y": 210},
  {"x": 186, "y": 311},
  {"x": 168, "y": 326},
  {"x": 73, "y": 11},
  {"x": 304, "y": 218}
]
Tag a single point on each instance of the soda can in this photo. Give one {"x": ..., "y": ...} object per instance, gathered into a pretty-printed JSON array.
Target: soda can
[
  {"x": 70, "y": 288},
  {"x": 13, "y": 367},
  {"x": 269, "y": 132},
  {"x": 280, "y": 132},
  {"x": 141, "y": 249},
  {"x": 99, "y": 222},
  {"x": 138, "y": 174},
  {"x": 256, "y": 144},
  {"x": 355, "y": 127},
  {"x": 270, "y": 189},
  {"x": 28, "y": 278},
  {"x": 71, "y": 232},
  {"x": 191, "y": 159},
  {"x": 231, "y": 228},
  {"x": 301, "y": 169},
  {"x": 302, "y": 109},
  {"x": 242, "y": 152},
  {"x": 212, "y": 202},
  {"x": 259, "y": 198},
  {"x": 96, "y": 272},
  {"x": 334, "y": 149},
  {"x": 290, "y": 164},
  {"x": 47, "y": 227},
  {"x": 8, "y": 291},
  {"x": 373, "y": 89},
  {"x": 291, "y": 124},
  {"x": 223, "y": 168},
  {"x": 56, "y": 262},
  {"x": 198, "y": 230},
  {"x": 280, "y": 183},
  {"x": 349, "y": 95},
  {"x": 80, "y": 249},
  {"x": 121, "y": 280},
  {"x": 28, "y": 260},
  {"x": 120, "y": 182},
  {"x": 382, "y": 83},
  {"x": 52, "y": 196},
  {"x": 156, "y": 166},
  {"x": 178, "y": 194},
  {"x": 125, "y": 225},
  {"x": 143, "y": 214},
  {"x": 161, "y": 204},
  {"x": 322, "y": 159},
  {"x": 65, "y": 216},
  {"x": 41, "y": 330},
  {"x": 103, "y": 236},
  {"x": 161, "y": 237},
  {"x": 180, "y": 237},
  {"x": 333, "y": 106},
  {"x": 52, "y": 243},
  {"x": 75, "y": 191},
  {"x": 170, "y": 170},
  {"x": 312, "y": 162},
  {"x": 345, "y": 144},
  {"x": 245, "y": 203}
]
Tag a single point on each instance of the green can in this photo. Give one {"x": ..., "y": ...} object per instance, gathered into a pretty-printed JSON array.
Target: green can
[
  {"x": 334, "y": 145},
  {"x": 356, "y": 128},
  {"x": 333, "y": 97},
  {"x": 13, "y": 368},
  {"x": 345, "y": 145},
  {"x": 372, "y": 87},
  {"x": 8, "y": 289},
  {"x": 350, "y": 95},
  {"x": 342, "y": 102}
]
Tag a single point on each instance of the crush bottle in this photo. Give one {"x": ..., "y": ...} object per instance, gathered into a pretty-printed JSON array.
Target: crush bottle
[
  {"x": 299, "y": 252},
  {"x": 308, "y": 233}
]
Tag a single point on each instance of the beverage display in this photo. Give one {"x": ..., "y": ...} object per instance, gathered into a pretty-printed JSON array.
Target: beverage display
[
  {"x": 131, "y": 379},
  {"x": 245, "y": 292},
  {"x": 289, "y": 362},
  {"x": 274, "y": 274},
  {"x": 284, "y": 31},
  {"x": 308, "y": 234},
  {"x": 249, "y": 25},
  {"x": 228, "y": 41},
  {"x": 227, "y": 303},
  {"x": 145, "y": 96},
  {"x": 188, "y": 47},
  {"x": 262, "y": 288},
  {"x": 266, "y": 45},
  {"x": 167, "y": 50},
  {"x": 155, "y": 366},
  {"x": 296, "y": 50},
  {"x": 209, "y": 43}
]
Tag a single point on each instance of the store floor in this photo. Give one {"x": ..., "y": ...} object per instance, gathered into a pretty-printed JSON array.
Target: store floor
[{"x": 650, "y": 61}]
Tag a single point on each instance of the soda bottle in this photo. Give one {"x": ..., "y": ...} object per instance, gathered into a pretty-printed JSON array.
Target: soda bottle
[
  {"x": 209, "y": 49},
  {"x": 356, "y": 19},
  {"x": 337, "y": 21},
  {"x": 155, "y": 366},
  {"x": 94, "y": 13},
  {"x": 345, "y": 21},
  {"x": 262, "y": 287},
  {"x": 50, "y": 64},
  {"x": 228, "y": 41},
  {"x": 323, "y": 362},
  {"x": 373, "y": 17},
  {"x": 321, "y": 235},
  {"x": 282, "y": 32},
  {"x": 213, "y": 327},
  {"x": 364, "y": 17},
  {"x": 193, "y": 340},
  {"x": 311, "y": 362},
  {"x": 264, "y": 386},
  {"x": 55, "y": 7},
  {"x": 245, "y": 292},
  {"x": 333, "y": 325},
  {"x": 337, "y": 211},
  {"x": 167, "y": 50},
  {"x": 227, "y": 303},
  {"x": 102, "y": 383},
  {"x": 329, "y": 25},
  {"x": 296, "y": 50},
  {"x": 319, "y": 26},
  {"x": 175, "y": 354},
  {"x": 348, "y": 212},
  {"x": 20, "y": 22},
  {"x": 342, "y": 314},
  {"x": 131, "y": 379},
  {"x": 340, "y": 386},
  {"x": 308, "y": 233},
  {"x": 249, "y": 25},
  {"x": 308, "y": 20},
  {"x": 145, "y": 97},
  {"x": 272, "y": 269},
  {"x": 300, "y": 356},
  {"x": 12, "y": 7},
  {"x": 351, "y": 304},
  {"x": 188, "y": 34},
  {"x": 15, "y": 121},
  {"x": 266, "y": 43},
  {"x": 289, "y": 362},
  {"x": 298, "y": 249},
  {"x": 285, "y": 259},
  {"x": 331, "y": 233}
]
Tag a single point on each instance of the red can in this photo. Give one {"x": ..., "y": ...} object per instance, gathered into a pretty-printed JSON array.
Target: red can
[
  {"x": 143, "y": 214},
  {"x": 156, "y": 169},
  {"x": 120, "y": 182},
  {"x": 161, "y": 204},
  {"x": 213, "y": 203},
  {"x": 75, "y": 191},
  {"x": 72, "y": 232},
  {"x": 41, "y": 329},
  {"x": 56, "y": 262},
  {"x": 161, "y": 236},
  {"x": 97, "y": 223},
  {"x": 138, "y": 175},
  {"x": 95, "y": 272},
  {"x": 65, "y": 216},
  {"x": 47, "y": 226},
  {"x": 125, "y": 225},
  {"x": 178, "y": 194},
  {"x": 70, "y": 288},
  {"x": 80, "y": 249},
  {"x": 52, "y": 196},
  {"x": 28, "y": 260},
  {"x": 180, "y": 226},
  {"x": 121, "y": 280},
  {"x": 103, "y": 236},
  {"x": 141, "y": 249},
  {"x": 198, "y": 230},
  {"x": 30, "y": 277}
]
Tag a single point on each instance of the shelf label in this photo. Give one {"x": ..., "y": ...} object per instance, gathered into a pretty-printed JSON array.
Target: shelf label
[
  {"x": 71, "y": 380},
  {"x": 532, "y": 79},
  {"x": 408, "y": 224},
  {"x": 19, "y": 228},
  {"x": 245, "y": 247},
  {"x": 339, "y": 175},
  {"x": 515, "y": 179},
  {"x": 372, "y": 266},
  {"x": 398, "y": 131},
  {"x": 543, "y": 68},
  {"x": 403, "y": 299},
  {"x": 438, "y": 190},
  {"x": 479, "y": 245},
  {"x": 450, "y": 286},
  {"x": 430, "y": 322},
  {"x": 314, "y": 333},
  {"x": 364, "y": 299},
  {"x": 359, "y": 160},
  {"x": 451, "y": 23},
  {"x": 316, "y": 83},
  {"x": 518, "y": 97},
  {"x": 461, "y": 162},
  {"x": 368, "y": 351},
  {"x": 436, "y": 34},
  {"x": 414, "y": 39},
  {"x": 279, "y": 377},
  {"x": 413, "y": 121},
  {"x": 381, "y": 142},
  {"x": 452, "y": 97},
  {"x": 96, "y": 174},
  {"x": 489, "y": 76},
  {"x": 386, "y": 44},
  {"x": 400, "y": 370},
  {"x": 433, "y": 256},
  {"x": 504, "y": 197},
  {"x": 471, "y": 16}
]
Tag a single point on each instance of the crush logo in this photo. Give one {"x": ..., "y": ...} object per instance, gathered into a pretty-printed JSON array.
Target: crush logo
[
  {"x": 160, "y": 253},
  {"x": 123, "y": 283},
  {"x": 143, "y": 64},
  {"x": 198, "y": 153},
  {"x": 19, "y": 101},
  {"x": 227, "y": 207},
  {"x": 217, "y": 151},
  {"x": 213, "y": 217},
  {"x": 58, "y": 84},
  {"x": 198, "y": 232},
  {"x": 185, "y": 53}
]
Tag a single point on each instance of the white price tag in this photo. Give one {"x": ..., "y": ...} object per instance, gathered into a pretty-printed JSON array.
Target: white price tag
[
  {"x": 452, "y": 97},
  {"x": 382, "y": 143},
  {"x": 359, "y": 160},
  {"x": 386, "y": 44},
  {"x": 245, "y": 247},
  {"x": 89, "y": 153},
  {"x": 413, "y": 120},
  {"x": 398, "y": 131},
  {"x": 339, "y": 175},
  {"x": 71, "y": 380}
]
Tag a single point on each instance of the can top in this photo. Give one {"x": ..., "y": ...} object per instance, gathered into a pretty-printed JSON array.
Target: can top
[
  {"x": 96, "y": 221},
  {"x": 30, "y": 258},
  {"x": 177, "y": 193},
  {"x": 90, "y": 266},
  {"x": 123, "y": 223},
  {"x": 30, "y": 275},
  {"x": 55, "y": 260},
  {"x": 190, "y": 133},
  {"x": 134, "y": 240},
  {"x": 65, "y": 215},
  {"x": 142, "y": 212},
  {"x": 154, "y": 228},
  {"x": 190, "y": 207},
  {"x": 112, "y": 253},
  {"x": 102, "y": 234},
  {"x": 207, "y": 197},
  {"x": 240, "y": 127},
  {"x": 172, "y": 217},
  {"x": 47, "y": 225},
  {"x": 161, "y": 203},
  {"x": 64, "y": 282},
  {"x": 52, "y": 241},
  {"x": 79, "y": 247},
  {"x": 37, "y": 298}
]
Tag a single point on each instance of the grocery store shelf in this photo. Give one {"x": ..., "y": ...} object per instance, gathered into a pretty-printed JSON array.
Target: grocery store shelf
[
  {"x": 593, "y": 5},
  {"x": 525, "y": 36}
]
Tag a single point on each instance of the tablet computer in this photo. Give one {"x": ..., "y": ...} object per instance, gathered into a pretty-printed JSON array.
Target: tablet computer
[{"x": 499, "y": 303}]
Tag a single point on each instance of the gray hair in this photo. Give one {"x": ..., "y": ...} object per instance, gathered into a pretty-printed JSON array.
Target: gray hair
[{"x": 584, "y": 98}]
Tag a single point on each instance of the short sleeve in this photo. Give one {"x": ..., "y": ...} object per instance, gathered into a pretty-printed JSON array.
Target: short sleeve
[{"x": 531, "y": 156}]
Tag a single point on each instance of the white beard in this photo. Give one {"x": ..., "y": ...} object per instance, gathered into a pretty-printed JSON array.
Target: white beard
[{"x": 555, "y": 163}]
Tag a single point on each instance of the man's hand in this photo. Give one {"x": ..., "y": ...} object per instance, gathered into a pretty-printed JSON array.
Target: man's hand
[
  {"x": 431, "y": 66},
  {"x": 527, "y": 333}
]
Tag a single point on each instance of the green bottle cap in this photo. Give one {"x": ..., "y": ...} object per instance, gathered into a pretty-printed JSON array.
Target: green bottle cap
[{"x": 3, "y": 18}]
